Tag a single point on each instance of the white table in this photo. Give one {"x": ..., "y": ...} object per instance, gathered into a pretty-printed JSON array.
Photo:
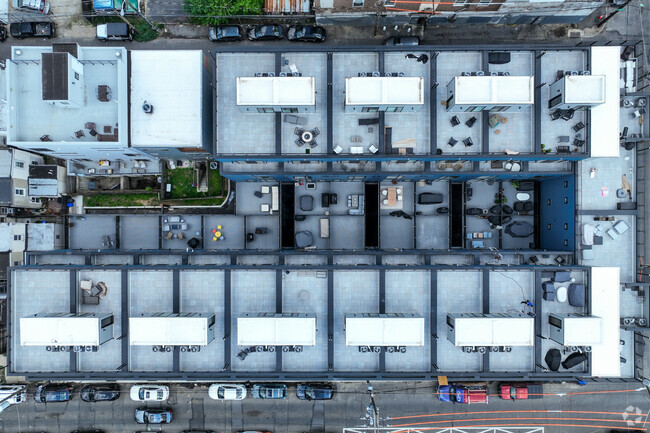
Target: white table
[{"x": 356, "y": 150}]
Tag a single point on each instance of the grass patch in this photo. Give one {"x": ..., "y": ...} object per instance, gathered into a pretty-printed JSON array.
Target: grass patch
[
  {"x": 202, "y": 202},
  {"x": 182, "y": 180},
  {"x": 122, "y": 200},
  {"x": 143, "y": 31},
  {"x": 217, "y": 11}
]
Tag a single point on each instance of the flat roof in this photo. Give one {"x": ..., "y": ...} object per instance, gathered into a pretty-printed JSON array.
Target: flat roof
[
  {"x": 489, "y": 90},
  {"x": 584, "y": 89},
  {"x": 30, "y": 117},
  {"x": 384, "y": 91},
  {"x": 605, "y": 121},
  {"x": 583, "y": 331},
  {"x": 59, "y": 331},
  {"x": 171, "y": 81},
  {"x": 276, "y": 331},
  {"x": 605, "y": 303},
  {"x": 168, "y": 331},
  {"x": 494, "y": 331},
  {"x": 384, "y": 331},
  {"x": 276, "y": 91}
]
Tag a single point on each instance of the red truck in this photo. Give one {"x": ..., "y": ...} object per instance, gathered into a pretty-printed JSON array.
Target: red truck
[{"x": 520, "y": 391}]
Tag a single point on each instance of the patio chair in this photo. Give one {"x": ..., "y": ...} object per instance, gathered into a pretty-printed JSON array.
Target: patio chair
[
  {"x": 315, "y": 132},
  {"x": 298, "y": 131},
  {"x": 454, "y": 121},
  {"x": 181, "y": 236},
  {"x": 169, "y": 235},
  {"x": 79, "y": 134}
]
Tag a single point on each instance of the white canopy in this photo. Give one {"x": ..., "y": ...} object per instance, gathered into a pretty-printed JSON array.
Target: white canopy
[
  {"x": 494, "y": 331},
  {"x": 384, "y": 331},
  {"x": 168, "y": 331},
  {"x": 59, "y": 331},
  {"x": 276, "y": 331}
]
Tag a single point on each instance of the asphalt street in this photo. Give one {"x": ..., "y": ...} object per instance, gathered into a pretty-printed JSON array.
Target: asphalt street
[{"x": 564, "y": 408}]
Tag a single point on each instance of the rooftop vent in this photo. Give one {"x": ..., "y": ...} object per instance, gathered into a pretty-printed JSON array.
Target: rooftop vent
[{"x": 147, "y": 108}]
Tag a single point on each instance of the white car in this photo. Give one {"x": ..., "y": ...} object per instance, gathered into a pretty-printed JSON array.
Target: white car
[
  {"x": 149, "y": 392},
  {"x": 224, "y": 391}
]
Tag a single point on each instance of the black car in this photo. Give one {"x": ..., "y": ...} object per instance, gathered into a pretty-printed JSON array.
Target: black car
[
  {"x": 306, "y": 33},
  {"x": 265, "y": 33},
  {"x": 225, "y": 34},
  {"x": 107, "y": 392},
  {"x": 52, "y": 393},
  {"x": 3, "y": 33},
  {"x": 32, "y": 29}
]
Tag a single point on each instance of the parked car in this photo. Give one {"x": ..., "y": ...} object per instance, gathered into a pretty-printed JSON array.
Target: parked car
[
  {"x": 93, "y": 393},
  {"x": 467, "y": 394},
  {"x": 11, "y": 394},
  {"x": 3, "y": 33},
  {"x": 41, "y": 6},
  {"x": 149, "y": 392},
  {"x": 223, "y": 391},
  {"x": 265, "y": 33},
  {"x": 145, "y": 415},
  {"x": 52, "y": 393},
  {"x": 225, "y": 34},
  {"x": 269, "y": 390},
  {"x": 114, "y": 32},
  {"x": 520, "y": 391},
  {"x": 402, "y": 40},
  {"x": 31, "y": 29},
  {"x": 306, "y": 33},
  {"x": 314, "y": 391}
]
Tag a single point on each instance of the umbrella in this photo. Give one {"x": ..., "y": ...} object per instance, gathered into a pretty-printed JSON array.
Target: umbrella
[
  {"x": 574, "y": 359},
  {"x": 625, "y": 184}
]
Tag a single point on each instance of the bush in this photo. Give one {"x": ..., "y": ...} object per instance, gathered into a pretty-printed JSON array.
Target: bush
[
  {"x": 143, "y": 31},
  {"x": 205, "y": 11}
]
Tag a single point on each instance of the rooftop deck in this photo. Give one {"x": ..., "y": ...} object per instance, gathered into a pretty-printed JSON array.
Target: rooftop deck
[
  {"x": 330, "y": 293},
  {"x": 429, "y": 131},
  {"x": 33, "y": 118}
]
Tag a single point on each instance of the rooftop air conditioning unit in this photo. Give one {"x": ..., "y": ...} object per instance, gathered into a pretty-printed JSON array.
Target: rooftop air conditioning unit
[
  {"x": 283, "y": 74},
  {"x": 271, "y": 74},
  {"x": 376, "y": 74}
]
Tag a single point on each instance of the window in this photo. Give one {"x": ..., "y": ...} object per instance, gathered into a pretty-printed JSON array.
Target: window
[
  {"x": 106, "y": 321},
  {"x": 76, "y": 75},
  {"x": 19, "y": 164},
  {"x": 458, "y": 3},
  {"x": 265, "y": 110},
  {"x": 20, "y": 191},
  {"x": 357, "y": 3},
  {"x": 289, "y": 110},
  {"x": 16, "y": 263},
  {"x": 370, "y": 109},
  {"x": 18, "y": 237}
]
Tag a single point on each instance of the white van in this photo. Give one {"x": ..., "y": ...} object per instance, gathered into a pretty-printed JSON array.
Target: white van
[{"x": 11, "y": 394}]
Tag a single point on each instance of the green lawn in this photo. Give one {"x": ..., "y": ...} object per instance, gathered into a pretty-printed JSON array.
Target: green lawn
[
  {"x": 122, "y": 200},
  {"x": 182, "y": 179}
]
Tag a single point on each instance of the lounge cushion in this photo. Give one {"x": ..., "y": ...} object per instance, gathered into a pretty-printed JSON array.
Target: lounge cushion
[
  {"x": 577, "y": 295},
  {"x": 303, "y": 239},
  {"x": 429, "y": 198},
  {"x": 548, "y": 286},
  {"x": 574, "y": 359},
  {"x": 549, "y": 296},
  {"x": 527, "y": 185},
  {"x": 520, "y": 229},
  {"x": 553, "y": 358},
  {"x": 474, "y": 211},
  {"x": 561, "y": 277},
  {"x": 306, "y": 203}
]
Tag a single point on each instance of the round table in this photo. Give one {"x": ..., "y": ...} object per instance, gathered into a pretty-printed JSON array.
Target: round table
[{"x": 307, "y": 136}]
